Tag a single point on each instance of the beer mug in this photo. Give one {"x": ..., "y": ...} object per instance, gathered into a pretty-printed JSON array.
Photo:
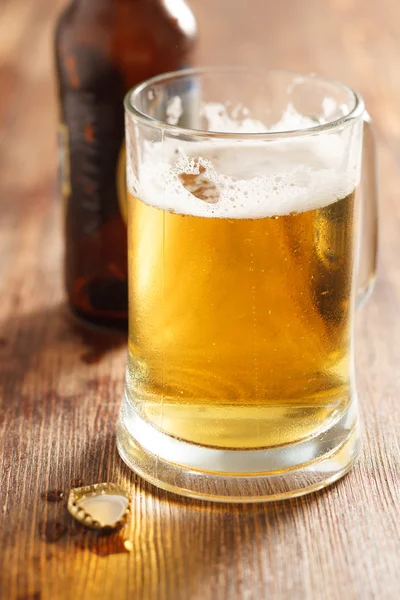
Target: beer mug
[{"x": 252, "y": 237}]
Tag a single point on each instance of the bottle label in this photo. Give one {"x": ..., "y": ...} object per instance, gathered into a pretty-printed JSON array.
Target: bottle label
[
  {"x": 64, "y": 169},
  {"x": 95, "y": 134}
]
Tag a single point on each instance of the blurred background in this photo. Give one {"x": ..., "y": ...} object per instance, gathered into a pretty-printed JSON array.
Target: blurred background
[
  {"x": 356, "y": 41},
  {"x": 351, "y": 40}
]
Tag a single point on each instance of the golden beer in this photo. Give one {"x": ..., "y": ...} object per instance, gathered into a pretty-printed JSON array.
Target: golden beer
[
  {"x": 245, "y": 268},
  {"x": 240, "y": 327}
]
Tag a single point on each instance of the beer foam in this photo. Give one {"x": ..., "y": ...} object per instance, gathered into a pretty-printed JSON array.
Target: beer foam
[
  {"x": 248, "y": 179},
  {"x": 238, "y": 120}
]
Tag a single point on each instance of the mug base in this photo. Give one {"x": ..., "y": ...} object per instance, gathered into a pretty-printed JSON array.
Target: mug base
[{"x": 221, "y": 475}]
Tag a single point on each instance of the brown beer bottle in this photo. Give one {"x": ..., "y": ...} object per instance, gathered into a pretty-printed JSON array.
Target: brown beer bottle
[{"x": 103, "y": 48}]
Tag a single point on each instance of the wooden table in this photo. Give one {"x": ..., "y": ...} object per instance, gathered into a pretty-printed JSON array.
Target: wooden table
[{"x": 61, "y": 388}]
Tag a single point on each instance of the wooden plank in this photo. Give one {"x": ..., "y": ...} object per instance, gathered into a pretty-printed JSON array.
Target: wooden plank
[{"x": 61, "y": 387}]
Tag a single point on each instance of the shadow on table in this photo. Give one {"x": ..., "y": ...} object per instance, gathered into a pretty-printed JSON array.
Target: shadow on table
[
  {"x": 223, "y": 546},
  {"x": 33, "y": 341}
]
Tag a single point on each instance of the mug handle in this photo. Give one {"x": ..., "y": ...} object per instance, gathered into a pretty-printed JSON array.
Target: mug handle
[{"x": 368, "y": 237}]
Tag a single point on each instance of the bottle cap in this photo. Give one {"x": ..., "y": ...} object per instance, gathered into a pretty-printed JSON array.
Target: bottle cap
[{"x": 99, "y": 506}]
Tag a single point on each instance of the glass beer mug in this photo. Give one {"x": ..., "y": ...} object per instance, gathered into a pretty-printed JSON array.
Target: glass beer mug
[{"x": 249, "y": 248}]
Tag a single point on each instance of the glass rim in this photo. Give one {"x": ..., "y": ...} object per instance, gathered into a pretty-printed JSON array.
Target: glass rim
[{"x": 354, "y": 113}]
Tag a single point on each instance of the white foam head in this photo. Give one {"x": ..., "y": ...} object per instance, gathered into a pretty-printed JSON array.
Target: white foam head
[{"x": 252, "y": 179}]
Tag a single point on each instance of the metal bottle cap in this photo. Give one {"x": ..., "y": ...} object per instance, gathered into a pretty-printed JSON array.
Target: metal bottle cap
[{"x": 99, "y": 506}]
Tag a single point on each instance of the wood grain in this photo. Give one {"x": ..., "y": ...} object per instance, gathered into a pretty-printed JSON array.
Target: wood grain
[{"x": 61, "y": 387}]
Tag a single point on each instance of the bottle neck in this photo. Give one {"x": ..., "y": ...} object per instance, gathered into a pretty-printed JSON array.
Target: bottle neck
[
  {"x": 101, "y": 4},
  {"x": 101, "y": 7}
]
